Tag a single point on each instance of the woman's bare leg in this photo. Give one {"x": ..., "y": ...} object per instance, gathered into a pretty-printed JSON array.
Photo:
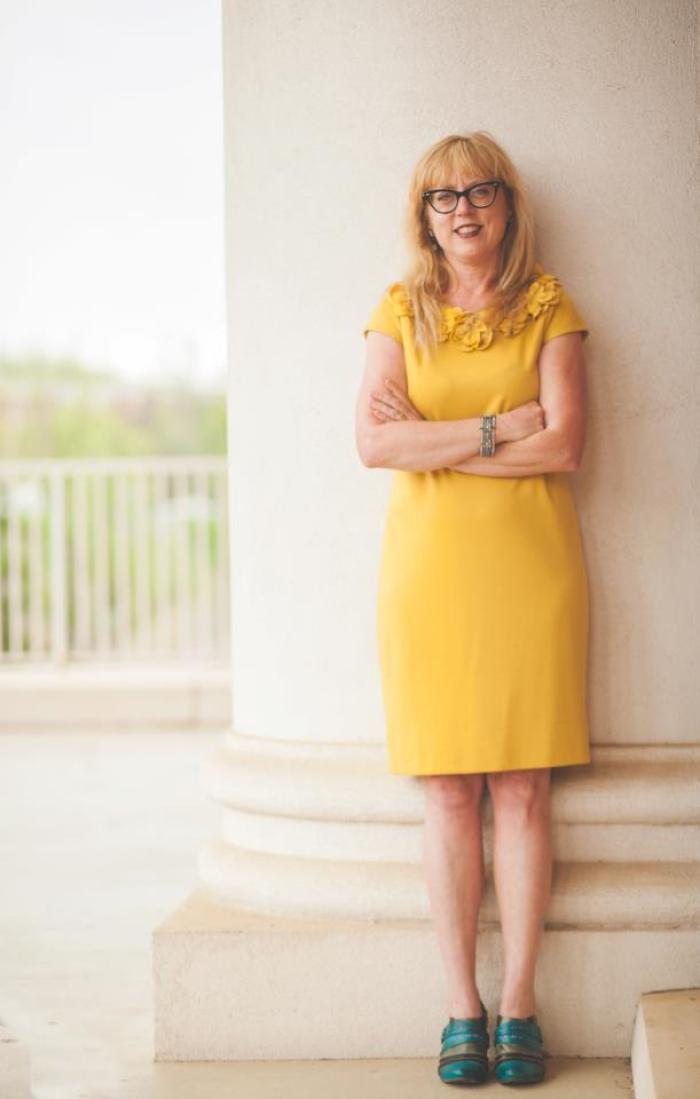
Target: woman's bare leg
[
  {"x": 522, "y": 865},
  {"x": 454, "y": 868}
]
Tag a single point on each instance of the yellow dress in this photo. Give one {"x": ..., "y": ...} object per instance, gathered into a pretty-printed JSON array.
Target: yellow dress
[{"x": 482, "y": 609}]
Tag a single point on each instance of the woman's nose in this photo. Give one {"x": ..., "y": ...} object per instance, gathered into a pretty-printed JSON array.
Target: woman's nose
[{"x": 464, "y": 206}]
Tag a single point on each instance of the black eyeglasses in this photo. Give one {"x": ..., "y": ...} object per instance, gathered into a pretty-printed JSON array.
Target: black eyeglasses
[{"x": 444, "y": 200}]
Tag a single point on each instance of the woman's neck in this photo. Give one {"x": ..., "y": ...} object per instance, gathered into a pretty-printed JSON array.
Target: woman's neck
[{"x": 471, "y": 288}]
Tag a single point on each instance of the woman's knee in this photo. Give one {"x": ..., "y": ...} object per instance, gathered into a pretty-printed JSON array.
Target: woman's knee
[
  {"x": 523, "y": 792},
  {"x": 455, "y": 793}
]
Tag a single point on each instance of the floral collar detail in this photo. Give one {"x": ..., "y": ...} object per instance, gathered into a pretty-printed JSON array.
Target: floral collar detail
[{"x": 475, "y": 331}]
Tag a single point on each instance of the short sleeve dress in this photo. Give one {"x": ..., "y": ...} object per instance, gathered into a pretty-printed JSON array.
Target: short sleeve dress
[{"x": 482, "y": 608}]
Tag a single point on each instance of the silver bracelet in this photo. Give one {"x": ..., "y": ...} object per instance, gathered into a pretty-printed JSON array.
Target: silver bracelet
[{"x": 488, "y": 436}]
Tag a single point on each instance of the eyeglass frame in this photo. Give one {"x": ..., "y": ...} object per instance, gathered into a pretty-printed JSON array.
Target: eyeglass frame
[{"x": 433, "y": 190}]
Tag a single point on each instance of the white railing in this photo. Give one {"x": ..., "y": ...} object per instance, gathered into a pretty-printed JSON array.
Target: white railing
[{"x": 120, "y": 558}]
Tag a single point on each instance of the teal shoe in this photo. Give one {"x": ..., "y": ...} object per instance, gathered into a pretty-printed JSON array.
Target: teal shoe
[
  {"x": 519, "y": 1050},
  {"x": 464, "y": 1053}
]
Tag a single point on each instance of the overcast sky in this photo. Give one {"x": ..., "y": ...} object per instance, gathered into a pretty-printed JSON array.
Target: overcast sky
[{"x": 111, "y": 189}]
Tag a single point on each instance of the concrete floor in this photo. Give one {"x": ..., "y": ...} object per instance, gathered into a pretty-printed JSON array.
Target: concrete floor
[{"x": 98, "y": 841}]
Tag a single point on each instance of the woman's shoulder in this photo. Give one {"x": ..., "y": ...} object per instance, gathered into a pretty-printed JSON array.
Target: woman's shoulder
[
  {"x": 548, "y": 300},
  {"x": 542, "y": 291},
  {"x": 399, "y": 298}
]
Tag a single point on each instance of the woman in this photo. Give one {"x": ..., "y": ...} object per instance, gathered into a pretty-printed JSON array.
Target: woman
[{"x": 474, "y": 392}]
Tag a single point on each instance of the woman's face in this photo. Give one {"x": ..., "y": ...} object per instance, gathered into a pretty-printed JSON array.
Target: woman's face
[{"x": 473, "y": 246}]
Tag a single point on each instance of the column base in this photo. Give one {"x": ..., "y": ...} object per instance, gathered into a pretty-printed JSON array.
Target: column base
[{"x": 232, "y": 984}]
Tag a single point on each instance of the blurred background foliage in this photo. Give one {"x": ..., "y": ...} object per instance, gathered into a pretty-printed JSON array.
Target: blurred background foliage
[{"x": 64, "y": 408}]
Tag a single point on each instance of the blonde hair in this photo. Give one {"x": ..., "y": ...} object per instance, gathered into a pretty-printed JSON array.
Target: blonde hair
[{"x": 427, "y": 276}]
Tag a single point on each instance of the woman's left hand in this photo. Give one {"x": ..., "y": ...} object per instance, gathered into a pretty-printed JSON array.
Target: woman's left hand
[{"x": 392, "y": 404}]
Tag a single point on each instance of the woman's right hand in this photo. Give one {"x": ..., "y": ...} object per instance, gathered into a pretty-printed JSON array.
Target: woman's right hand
[{"x": 518, "y": 423}]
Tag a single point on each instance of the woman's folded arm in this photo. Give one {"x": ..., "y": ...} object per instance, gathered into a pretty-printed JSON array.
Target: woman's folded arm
[
  {"x": 544, "y": 452},
  {"x": 420, "y": 445}
]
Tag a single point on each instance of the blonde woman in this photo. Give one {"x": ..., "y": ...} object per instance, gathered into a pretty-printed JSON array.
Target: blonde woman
[{"x": 474, "y": 393}]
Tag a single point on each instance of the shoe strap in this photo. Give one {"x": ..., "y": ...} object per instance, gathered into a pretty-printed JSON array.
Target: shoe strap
[
  {"x": 462, "y": 1033},
  {"x": 513, "y": 1031},
  {"x": 472, "y": 1030}
]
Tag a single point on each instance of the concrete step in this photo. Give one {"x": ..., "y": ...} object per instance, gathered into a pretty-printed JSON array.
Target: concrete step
[
  {"x": 279, "y": 987},
  {"x": 666, "y": 1045},
  {"x": 405, "y": 1078}
]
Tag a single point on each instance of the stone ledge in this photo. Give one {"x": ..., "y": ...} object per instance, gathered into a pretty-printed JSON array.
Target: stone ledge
[
  {"x": 231, "y": 984},
  {"x": 665, "y": 1046},
  {"x": 114, "y": 696}
]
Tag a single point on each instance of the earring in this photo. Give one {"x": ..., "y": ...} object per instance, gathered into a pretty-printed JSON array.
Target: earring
[{"x": 433, "y": 241}]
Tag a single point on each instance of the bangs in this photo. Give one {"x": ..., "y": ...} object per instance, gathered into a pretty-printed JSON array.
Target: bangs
[{"x": 459, "y": 160}]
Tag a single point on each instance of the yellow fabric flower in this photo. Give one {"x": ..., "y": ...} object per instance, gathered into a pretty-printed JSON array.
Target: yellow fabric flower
[
  {"x": 516, "y": 320},
  {"x": 466, "y": 329},
  {"x": 452, "y": 318},
  {"x": 400, "y": 300},
  {"x": 542, "y": 293},
  {"x": 478, "y": 335}
]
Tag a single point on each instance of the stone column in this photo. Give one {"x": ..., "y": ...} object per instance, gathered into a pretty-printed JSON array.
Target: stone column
[{"x": 309, "y": 935}]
